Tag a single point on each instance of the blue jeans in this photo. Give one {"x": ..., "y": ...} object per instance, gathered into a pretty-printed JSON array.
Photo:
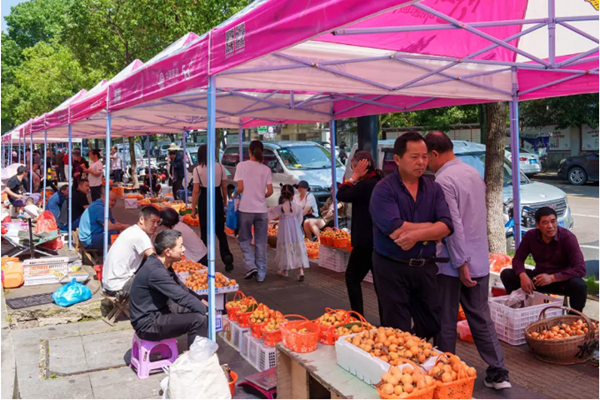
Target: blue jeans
[
  {"x": 97, "y": 241},
  {"x": 260, "y": 221}
]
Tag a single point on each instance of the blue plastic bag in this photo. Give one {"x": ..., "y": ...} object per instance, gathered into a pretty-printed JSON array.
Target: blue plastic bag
[
  {"x": 232, "y": 215},
  {"x": 71, "y": 293}
]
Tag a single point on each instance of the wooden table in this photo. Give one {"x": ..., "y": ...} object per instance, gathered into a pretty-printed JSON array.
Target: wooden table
[{"x": 316, "y": 375}]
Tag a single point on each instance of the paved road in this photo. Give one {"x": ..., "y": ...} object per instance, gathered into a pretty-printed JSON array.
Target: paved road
[{"x": 583, "y": 201}]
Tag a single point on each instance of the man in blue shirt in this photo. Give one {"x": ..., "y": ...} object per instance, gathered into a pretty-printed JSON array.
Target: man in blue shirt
[
  {"x": 409, "y": 215},
  {"x": 91, "y": 226},
  {"x": 56, "y": 201},
  {"x": 465, "y": 278}
]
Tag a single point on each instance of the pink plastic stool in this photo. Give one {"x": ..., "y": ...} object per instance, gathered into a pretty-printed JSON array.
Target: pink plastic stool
[{"x": 142, "y": 351}]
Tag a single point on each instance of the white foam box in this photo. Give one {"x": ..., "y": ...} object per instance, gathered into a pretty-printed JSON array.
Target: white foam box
[
  {"x": 130, "y": 203},
  {"x": 44, "y": 271}
]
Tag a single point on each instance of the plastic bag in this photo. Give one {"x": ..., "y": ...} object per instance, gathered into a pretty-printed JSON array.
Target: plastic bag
[
  {"x": 499, "y": 261},
  {"x": 197, "y": 374},
  {"x": 47, "y": 223},
  {"x": 71, "y": 293},
  {"x": 232, "y": 216},
  {"x": 519, "y": 299}
]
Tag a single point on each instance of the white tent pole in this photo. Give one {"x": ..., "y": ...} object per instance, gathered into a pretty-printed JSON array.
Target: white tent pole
[
  {"x": 30, "y": 161},
  {"x": 107, "y": 182},
  {"x": 333, "y": 168},
  {"x": 149, "y": 168},
  {"x": 19, "y": 149},
  {"x": 185, "y": 181},
  {"x": 45, "y": 169},
  {"x": 210, "y": 171},
  {"x": 70, "y": 181},
  {"x": 514, "y": 149},
  {"x": 11, "y": 149},
  {"x": 240, "y": 140},
  {"x": 125, "y": 163}
]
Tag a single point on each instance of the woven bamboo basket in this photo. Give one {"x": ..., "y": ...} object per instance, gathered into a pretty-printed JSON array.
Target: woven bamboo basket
[{"x": 567, "y": 351}]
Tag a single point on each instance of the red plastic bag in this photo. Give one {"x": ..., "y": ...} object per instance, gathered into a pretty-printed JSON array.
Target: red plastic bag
[
  {"x": 499, "y": 261},
  {"x": 47, "y": 223}
]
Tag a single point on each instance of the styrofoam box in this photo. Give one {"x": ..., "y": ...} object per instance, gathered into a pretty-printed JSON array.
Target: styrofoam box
[
  {"x": 333, "y": 259},
  {"x": 258, "y": 354},
  {"x": 130, "y": 203},
  {"x": 43, "y": 271},
  {"x": 511, "y": 322}
]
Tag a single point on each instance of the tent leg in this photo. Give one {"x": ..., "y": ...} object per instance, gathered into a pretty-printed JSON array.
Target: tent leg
[
  {"x": 30, "y": 162},
  {"x": 210, "y": 162},
  {"x": 240, "y": 141},
  {"x": 185, "y": 171},
  {"x": 333, "y": 168},
  {"x": 149, "y": 168},
  {"x": 70, "y": 182},
  {"x": 107, "y": 185},
  {"x": 516, "y": 171},
  {"x": 45, "y": 168}
]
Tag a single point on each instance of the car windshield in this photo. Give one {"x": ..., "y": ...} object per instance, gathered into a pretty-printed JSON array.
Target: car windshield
[
  {"x": 477, "y": 161},
  {"x": 306, "y": 157}
]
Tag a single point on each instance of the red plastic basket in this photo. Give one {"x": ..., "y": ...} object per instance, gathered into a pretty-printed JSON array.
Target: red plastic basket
[
  {"x": 256, "y": 329},
  {"x": 327, "y": 334},
  {"x": 300, "y": 342},
  {"x": 243, "y": 318},
  {"x": 232, "y": 311}
]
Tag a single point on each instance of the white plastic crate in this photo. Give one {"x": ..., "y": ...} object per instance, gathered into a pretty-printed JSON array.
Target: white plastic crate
[
  {"x": 246, "y": 346},
  {"x": 258, "y": 354},
  {"x": 43, "y": 271},
  {"x": 333, "y": 259},
  {"x": 234, "y": 336},
  {"x": 511, "y": 322}
]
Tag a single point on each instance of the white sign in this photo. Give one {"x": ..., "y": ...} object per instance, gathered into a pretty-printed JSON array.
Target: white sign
[
  {"x": 589, "y": 138},
  {"x": 560, "y": 140}
]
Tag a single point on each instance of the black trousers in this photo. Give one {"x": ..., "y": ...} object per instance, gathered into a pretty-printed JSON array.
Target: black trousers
[
  {"x": 118, "y": 175},
  {"x": 224, "y": 251},
  {"x": 96, "y": 192},
  {"x": 172, "y": 325},
  {"x": 176, "y": 187},
  {"x": 406, "y": 293},
  {"x": 574, "y": 288},
  {"x": 359, "y": 265},
  {"x": 474, "y": 301}
]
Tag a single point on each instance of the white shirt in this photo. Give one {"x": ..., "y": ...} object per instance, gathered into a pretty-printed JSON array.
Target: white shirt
[
  {"x": 200, "y": 175},
  {"x": 93, "y": 179},
  {"x": 256, "y": 176},
  {"x": 309, "y": 201},
  {"x": 195, "y": 249},
  {"x": 125, "y": 257},
  {"x": 115, "y": 163}
]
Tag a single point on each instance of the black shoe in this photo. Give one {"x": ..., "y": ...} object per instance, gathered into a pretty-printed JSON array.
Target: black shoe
[
  {"x": 301, "y": 278},
  {"x": 228, "y": 267},
  {"x": 251, "y": 274},
  {"x": 499, "y": 382}
]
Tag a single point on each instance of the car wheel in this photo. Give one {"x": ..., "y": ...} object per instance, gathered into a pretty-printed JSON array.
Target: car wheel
[{"x": 577, "y": 176}]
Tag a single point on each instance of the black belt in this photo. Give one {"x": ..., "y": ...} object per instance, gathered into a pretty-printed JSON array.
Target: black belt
[{"x": 417, "y": 262}]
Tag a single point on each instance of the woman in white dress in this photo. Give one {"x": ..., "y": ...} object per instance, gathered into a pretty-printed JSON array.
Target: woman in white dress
[
  {"x": 291, "y": 249},
  {"x": 307, "y": 201}
]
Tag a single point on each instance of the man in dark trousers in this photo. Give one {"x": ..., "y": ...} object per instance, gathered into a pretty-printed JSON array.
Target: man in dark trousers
[
  {"x": 176, "y": 169},
  {"x": 160, "y": 307},
  {"x": 465, "y": 278},
  {"x": 559, "y": 264},
  {"x": 409, "y": 215}
]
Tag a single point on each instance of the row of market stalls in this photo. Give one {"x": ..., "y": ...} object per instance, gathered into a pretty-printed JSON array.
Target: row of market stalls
[{"x": 292, "y": 61}]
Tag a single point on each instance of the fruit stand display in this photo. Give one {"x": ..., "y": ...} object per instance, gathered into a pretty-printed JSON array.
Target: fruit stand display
[
  {"x": 312, "y": 249},
  {"x": 272, "y": 235}
]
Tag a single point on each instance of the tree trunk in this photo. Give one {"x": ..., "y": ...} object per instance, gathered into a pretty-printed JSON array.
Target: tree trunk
[
  {"x": 494, "y": 174},
  {"x": 134, "y": 177}
]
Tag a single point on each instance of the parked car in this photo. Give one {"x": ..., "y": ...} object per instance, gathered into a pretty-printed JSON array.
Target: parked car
[
  {"x": 529, "y": 162},
  {"x": 579, "y": 169},
  {"x": 534, "y": 195},
  {"x": 290, "y": 162}
]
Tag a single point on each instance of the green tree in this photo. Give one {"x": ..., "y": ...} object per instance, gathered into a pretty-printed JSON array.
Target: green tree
[
  {"x": 36, "y": 21},
  {"x": 561, "y": 111},
  {"x": 11, "y": 59}
]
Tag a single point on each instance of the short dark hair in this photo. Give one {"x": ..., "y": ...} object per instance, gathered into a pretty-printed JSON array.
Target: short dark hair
[
  {"x": 63, "y": 188},
  {"x": 438, "y": 141},
  {"x": 166, "y": 240},
  {"x": 21, "y": 169},
  {"x": 95, "y": 152},
  {"x": 82, "y": 180},
  {"x": 544, "y": 212},
  {"x": 402, "y": 141},
  {"x": 169, "y": 217},
  {"x": 148, "y": 211}
]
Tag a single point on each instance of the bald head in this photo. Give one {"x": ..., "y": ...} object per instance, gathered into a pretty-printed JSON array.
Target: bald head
[{"x": 439, "y": 149}]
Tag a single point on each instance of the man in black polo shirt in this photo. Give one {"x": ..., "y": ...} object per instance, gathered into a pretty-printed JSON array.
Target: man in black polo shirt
[
  {"x": 79, "y": 203},
  {"x": 410, "y": 214}
]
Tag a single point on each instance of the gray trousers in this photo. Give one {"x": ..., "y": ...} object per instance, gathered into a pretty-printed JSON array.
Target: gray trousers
[
  {"x": 474, "y": 301},
  {"x": 260, "y": 221}
]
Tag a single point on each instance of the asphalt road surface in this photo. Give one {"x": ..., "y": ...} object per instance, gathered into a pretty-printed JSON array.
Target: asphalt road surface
[{"x": 583, "y": 201}]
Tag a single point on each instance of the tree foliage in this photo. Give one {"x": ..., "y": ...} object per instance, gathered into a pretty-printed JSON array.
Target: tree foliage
[
  {"x": 440, "y": 119},
  {"x": 561, "y": 111},
  {"x": 36, "y": 21}
]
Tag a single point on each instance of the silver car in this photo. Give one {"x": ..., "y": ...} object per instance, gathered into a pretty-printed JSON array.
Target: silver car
[
  {"x": 529, "y": 162},
  {"x": 534, "y": 195}
]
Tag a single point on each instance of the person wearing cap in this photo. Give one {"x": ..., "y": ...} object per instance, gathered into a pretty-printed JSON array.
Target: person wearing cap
[
  {"x": 409, "y": 215},
  {"x": 306, "y": 200},
  {"x": 176, "y": 169}
]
